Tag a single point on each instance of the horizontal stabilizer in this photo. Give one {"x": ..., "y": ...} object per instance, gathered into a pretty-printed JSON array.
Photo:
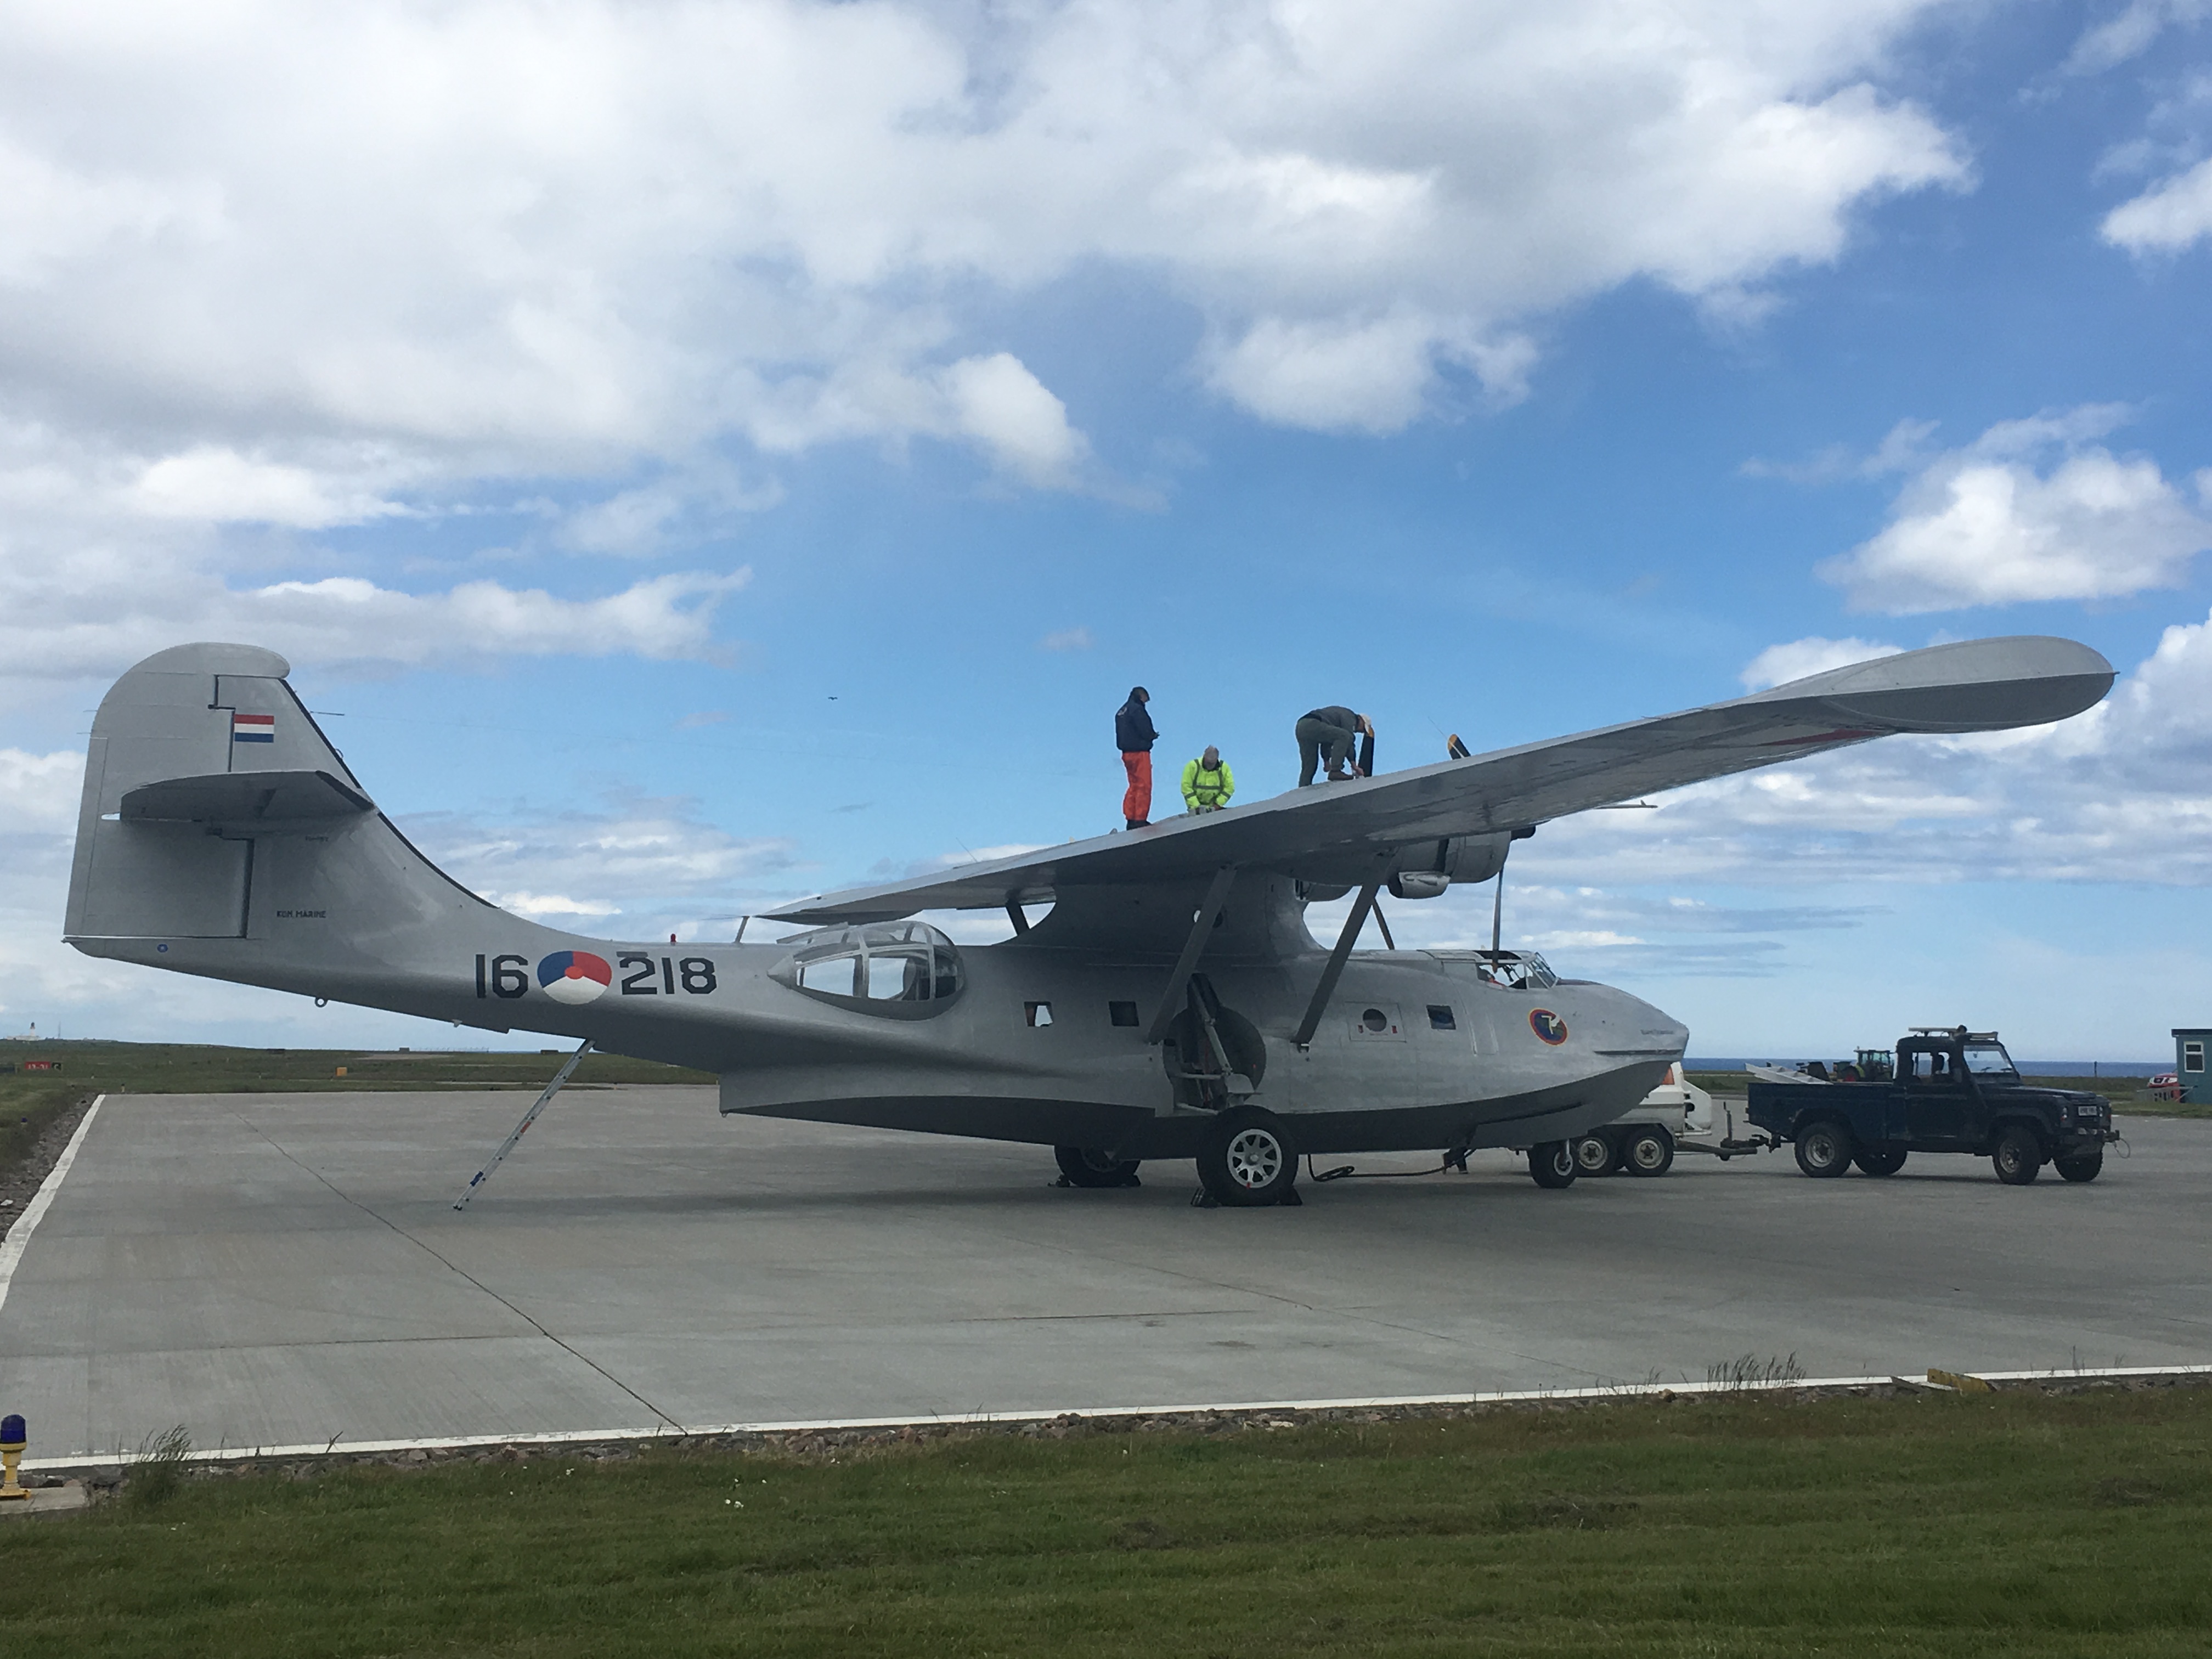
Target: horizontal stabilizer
[{"x": 273, "y": 800}]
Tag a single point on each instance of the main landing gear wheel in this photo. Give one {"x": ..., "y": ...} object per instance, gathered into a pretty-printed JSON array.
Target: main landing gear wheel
[
  {"x": 1084, "y": 1166},
  {"x": 2018, "y": 1158},
  {"x": 1247, "y": 1160},
  {"x": 2083, "y": 1166},
  {"x": 1879, "y": 1160},
  {"x": 1593, "y": 1155},
  {"x": 1552, "y": 1164},
  {"x": 1649, "y": 1151},
  {"x": 1824, "y": 1149}
]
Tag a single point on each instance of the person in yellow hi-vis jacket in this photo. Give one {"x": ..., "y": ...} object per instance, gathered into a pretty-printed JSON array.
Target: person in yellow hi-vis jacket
[{"x": 1207, "y": 782}]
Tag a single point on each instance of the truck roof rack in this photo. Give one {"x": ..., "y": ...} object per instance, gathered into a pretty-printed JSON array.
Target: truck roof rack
[{"x": 1959, "y": 1031}]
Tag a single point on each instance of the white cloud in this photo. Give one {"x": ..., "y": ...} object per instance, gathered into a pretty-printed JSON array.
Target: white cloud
[
  {"x": 94, "y": 612},
  {"x": 651, "y": 861},
  {"x": 1067, "y": 639},
  {"x": 2114, "y": 41},
  {"x": 1779, "y": 663},
  {"x": 555, "y": 906},
  {"x": 996, "y": 401},
  {"x": 2123, "y": 793},
  {"x": 1899, "y": 451},
  {"x": 212, "y": 485},
  {"x": 1984, "y": 526},
  {"x": 2167, "y": 218},
  {"x": 39, "y": 792},
  {"x": 496, "y": 240}
]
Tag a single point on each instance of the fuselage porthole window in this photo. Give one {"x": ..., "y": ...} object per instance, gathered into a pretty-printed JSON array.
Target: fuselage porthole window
[{"x": 901, "y": 970}]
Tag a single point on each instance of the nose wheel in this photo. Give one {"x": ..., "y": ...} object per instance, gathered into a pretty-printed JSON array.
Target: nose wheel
[{"x": 1552, "y": 1164}]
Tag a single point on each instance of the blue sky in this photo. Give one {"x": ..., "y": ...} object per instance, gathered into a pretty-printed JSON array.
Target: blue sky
[{"x": 702, "y": 455}]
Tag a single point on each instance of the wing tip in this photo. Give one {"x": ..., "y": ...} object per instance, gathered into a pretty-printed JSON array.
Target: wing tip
[{"x": 1966, "y": 685}]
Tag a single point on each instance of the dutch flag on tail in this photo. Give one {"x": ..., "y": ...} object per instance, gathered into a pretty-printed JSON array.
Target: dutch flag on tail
[{"x": 253, "y": 728}]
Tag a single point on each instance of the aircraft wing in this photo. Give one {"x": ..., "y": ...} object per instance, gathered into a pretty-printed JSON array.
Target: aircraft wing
[{"x": 1343, "y": 833}]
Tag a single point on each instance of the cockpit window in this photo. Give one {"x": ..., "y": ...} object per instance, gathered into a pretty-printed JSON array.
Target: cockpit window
[
  {"x": 1517, "y": 970},
  {"x": 904, "y": 970}
]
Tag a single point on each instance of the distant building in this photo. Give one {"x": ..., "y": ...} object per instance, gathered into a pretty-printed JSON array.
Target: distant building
[
  {"x": 31, "y": 1035},
  {"x": 2189, "y": 1043}
]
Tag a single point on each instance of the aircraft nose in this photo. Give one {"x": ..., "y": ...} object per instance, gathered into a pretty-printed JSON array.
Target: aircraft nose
[{"x": 1633, "y": 1025}]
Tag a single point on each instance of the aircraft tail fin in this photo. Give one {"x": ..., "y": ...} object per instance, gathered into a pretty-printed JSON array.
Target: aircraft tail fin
[{"x": 210, "y": 794}]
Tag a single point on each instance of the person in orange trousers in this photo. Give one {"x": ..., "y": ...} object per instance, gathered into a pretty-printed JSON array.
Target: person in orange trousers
[{"x": 1134, "y": 737}]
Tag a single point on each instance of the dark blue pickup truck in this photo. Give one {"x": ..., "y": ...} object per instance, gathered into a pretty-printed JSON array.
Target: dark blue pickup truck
[{"x": 1949, "y": 1090}]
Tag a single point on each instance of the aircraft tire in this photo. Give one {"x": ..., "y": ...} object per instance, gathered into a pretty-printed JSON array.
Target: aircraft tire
[
  {"x": 1879, "y": 1160},
  {"x": 2018, "y": 1158},
  {"x": 1824, "y": 1148},
  {"x": 1248, "y": 1159},
  {"x": 1648, "y": 1150},
  {"x": 1084, "y": 1166},
  {"x": 1552, "y": 1164},
  {"x": 2083, "y": 1166},
  {"x": 1593, "y": 1155}
]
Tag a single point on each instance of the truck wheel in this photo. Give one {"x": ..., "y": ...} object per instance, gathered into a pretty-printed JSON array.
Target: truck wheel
[
  {"x": 1593, "y": 1155},
  {"x": 1552, "y": 1164},
  {"x": 1879, "y": 1160},
  {"x": 2083, "y": 1166},
  {"x": 1824, "y": 1148},
  {"x": 1084, "y": 1166},
  {"x": 1649, "y": 1151},
  {"x": 1246, "y": 1159},
  {"x": 2018, "y": 1158}
]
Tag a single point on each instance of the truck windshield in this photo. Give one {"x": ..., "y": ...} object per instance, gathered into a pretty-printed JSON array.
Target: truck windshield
[{"x": 1990, "y": 1060}]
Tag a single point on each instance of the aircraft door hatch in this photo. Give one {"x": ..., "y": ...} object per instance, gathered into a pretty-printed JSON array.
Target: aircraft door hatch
[{"x": 1214, "y": 1057}]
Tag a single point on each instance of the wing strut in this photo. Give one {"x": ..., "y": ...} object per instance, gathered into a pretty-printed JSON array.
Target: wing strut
[
  {"x": 1335, "y": 970},
  {"x": 1201, "y": 929}
]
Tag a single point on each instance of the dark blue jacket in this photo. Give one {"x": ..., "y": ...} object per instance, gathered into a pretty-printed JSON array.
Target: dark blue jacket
[{"x": 1133, "y": 729}]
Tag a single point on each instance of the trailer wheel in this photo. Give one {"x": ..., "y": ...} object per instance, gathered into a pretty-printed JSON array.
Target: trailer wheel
[
  {"x": 1552, "y": 1164},
  {"x": 1824, "y": 1148},
  {"x": 2083, "y": 1166},
  {"x": 1649, "y": 1151},
  {"x": 1086, "y": 1166},
  {"x": 1593, "y": 1155},
  {"x": 2018, "y": 1158},
  {"x": 1247, "y": 1160},
  {"x": 1879, "y": 1160}
]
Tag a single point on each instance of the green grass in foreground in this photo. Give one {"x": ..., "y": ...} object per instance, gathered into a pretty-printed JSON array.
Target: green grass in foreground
[{"x": 2013, "y": 1524}]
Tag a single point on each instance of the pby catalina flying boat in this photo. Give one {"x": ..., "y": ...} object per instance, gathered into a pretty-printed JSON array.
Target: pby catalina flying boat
[{"x": 1170, "y": 1004}]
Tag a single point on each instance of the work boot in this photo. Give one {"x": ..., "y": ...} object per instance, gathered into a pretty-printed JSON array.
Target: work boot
[
  {"x": 1137, "y": 823},
  {"x": 1340, "y": 777}
]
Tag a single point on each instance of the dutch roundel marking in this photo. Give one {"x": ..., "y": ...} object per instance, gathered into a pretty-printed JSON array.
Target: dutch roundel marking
[
  {"x": 253, "y": 728},
  {"x": 1548, "y": 1026},
  {"x": 575, "y": 977}
]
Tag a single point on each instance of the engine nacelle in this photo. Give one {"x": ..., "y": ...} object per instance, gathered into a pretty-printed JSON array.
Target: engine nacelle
[{"x": 1422, "y": 870}]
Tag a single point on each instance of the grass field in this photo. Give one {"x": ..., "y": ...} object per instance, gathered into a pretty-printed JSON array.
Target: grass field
[{"x": 2013, "y": 1524}]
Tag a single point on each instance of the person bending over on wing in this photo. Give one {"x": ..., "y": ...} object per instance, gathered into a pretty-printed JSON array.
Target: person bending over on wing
[
  {"x": 1330, "y": 731},
  {"x": 1207, "y": 782},
  {"x": 1134, "y": 737}
]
